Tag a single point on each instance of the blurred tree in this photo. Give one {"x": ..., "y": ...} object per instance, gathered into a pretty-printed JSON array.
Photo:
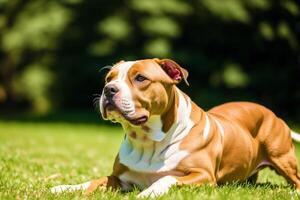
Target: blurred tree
[
  {"x": 29, "y": 32},
  {"x": 50, "y": 51}
]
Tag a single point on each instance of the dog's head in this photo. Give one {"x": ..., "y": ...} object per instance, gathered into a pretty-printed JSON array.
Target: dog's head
[{"x": 136, "y": 90}]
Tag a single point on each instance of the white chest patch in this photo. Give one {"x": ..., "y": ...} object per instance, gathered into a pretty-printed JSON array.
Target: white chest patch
[{"x": 161, "y": 152}]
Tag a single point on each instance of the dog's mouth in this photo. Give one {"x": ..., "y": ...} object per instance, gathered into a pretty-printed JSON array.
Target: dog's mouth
[
  {"x": 110, "y": 106},
  {"x": 138, "y": 121}
]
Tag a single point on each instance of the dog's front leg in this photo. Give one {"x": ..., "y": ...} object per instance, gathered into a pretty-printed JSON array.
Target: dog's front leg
[
  {"x": 162, "y": 185},
  {"x": 112, "y": 182},
  {"x": 90, "y": 186}
]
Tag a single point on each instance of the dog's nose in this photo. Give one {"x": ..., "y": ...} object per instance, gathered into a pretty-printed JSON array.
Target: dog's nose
[{"x": 110, "y": 90}]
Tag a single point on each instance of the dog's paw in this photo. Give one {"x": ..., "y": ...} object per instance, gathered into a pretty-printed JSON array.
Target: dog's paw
[
  {"x": 153, "y": 192},
  {"x": 145, "y": 194},
  {"x": 158, "y": 188},
  {"x": 60, "y": 188},
  {"x": 69, "y": 188}
]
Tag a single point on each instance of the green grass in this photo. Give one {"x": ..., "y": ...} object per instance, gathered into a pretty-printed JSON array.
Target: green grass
[{"x": 37, "y": 156}]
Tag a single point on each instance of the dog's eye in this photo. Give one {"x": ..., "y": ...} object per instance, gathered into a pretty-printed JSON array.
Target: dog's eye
[
  {"x": 108, "y": 79},
  {"x": 140, "y": 78}
]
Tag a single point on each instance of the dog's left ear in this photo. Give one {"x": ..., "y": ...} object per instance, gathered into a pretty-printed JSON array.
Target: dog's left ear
[{"x": 174, "y": 70}]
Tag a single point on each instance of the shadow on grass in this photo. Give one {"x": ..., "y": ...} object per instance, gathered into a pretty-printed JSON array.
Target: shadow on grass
[{"x": 268, "y": 185}]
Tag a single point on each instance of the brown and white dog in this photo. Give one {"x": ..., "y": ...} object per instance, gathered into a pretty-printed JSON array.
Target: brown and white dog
[{"x": 169, "y": 140}]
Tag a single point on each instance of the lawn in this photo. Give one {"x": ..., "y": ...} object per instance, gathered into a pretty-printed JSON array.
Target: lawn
[{"x": 35, "y": 156}]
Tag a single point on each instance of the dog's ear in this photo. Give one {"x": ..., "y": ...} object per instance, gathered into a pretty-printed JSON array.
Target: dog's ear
[{"x": 174, "y": 70}]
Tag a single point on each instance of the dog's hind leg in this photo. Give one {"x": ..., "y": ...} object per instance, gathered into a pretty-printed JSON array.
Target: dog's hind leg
[
  {"x": 281, "y": 153},
  {"x": 286, "y": 165}
]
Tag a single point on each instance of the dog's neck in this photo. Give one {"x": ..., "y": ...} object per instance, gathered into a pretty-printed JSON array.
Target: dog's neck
[
  {"x": 158, "y": 126},
  {"x": 149, "y": 148}
]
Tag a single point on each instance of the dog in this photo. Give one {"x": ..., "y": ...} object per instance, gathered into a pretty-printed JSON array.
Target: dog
[{"x": 169, "y": 140}]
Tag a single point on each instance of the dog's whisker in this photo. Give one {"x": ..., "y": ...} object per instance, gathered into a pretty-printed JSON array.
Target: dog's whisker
[
  {"x": 96, "y": 103},
  {"x": 107, "y": 67},
  {"x": 96, "y": 100}
]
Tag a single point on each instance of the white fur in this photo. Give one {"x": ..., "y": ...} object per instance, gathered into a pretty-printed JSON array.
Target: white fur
[
  {"x": 159, "y": 187},
  {"x": 156, "y": 133},
  {"x": 295, "y": 136},
  {"x": 220, "y": 127},
  {"x": 124, "y": 68},
  {"x": 206, "y": 128},
  {"x": 70, "y": 188},
  {"x": 126, "y": 97},
  {"x": 161, "y": 153}
]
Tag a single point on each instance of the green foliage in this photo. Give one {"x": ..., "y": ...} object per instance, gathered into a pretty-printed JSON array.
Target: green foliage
[
  {"x": 228, "y": 10},
  {"x": 160, "y": 26},
  {"x": 233, "y": 76},
  {"x": 102, "y": 48},
  {"x": 158, "y": 7},
  {"x": 158, "y": 47},
  {"x": 266, "y": 30},
  {"x": 115, "y": 27},
  {"x": 33, "y": 83},
  {"x": 72, "y": 39},
  {"x": 291, "y": 7},
  {"x": 37, "y": 27},
  {"x": 285, "y": 32}
]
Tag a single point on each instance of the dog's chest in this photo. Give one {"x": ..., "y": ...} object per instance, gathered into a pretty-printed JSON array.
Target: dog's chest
[
  {"x": 161, "y": 153},
  {"x": 150, "y": 154},
  {"x": 153, "y": 151}
]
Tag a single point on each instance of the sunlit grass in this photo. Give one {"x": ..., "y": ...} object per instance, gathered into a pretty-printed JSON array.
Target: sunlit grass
[{"x": 37, "y": 156}]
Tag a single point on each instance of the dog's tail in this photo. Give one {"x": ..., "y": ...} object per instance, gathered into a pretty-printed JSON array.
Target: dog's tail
[{"x": 295, "y": 136}]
